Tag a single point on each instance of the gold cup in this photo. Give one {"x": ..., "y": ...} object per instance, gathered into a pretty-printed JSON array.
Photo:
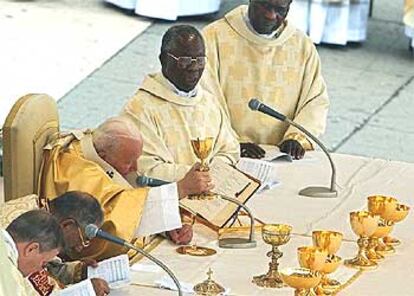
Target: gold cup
[
  {"x": 396, "y": 215},
  {"x": 274, "y": 235},
  {"x": 364, "y": 224},
  {"x": 313, "y": 258},
  {"x": 330, "y": 241},
  {"x": 376, "y": 248},
  {"x": 303, "y": 280},
  {"x": 202, "y": 149}
]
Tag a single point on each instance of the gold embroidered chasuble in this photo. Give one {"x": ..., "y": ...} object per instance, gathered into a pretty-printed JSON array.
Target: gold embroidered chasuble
[{"x": 169, "y": 122}]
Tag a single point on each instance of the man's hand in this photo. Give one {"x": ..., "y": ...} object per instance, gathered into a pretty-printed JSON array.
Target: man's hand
[
  {"x": 90, "y": 262},
  {"x": 195, "y": 182},
  {"x": 293, "y": 148},
  {"x": 181, "y": 236},
  {"x": 251, "y": 150},
  {"x": 100, "y": 286}
]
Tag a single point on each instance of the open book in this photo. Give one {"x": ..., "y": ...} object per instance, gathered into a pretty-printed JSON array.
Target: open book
[
  {"x": 228, "y": 181},
  {"x": 114, "y": 270},
  {"x": 273, "y": 154}
]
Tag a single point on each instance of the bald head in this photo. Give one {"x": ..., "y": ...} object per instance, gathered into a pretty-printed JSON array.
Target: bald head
[{"x": 119, "y": 142}]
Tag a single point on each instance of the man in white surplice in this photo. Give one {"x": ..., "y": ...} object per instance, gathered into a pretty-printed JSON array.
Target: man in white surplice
[
  {"x": 168, "y": 9},
  {"x": 331, "y": 21}
]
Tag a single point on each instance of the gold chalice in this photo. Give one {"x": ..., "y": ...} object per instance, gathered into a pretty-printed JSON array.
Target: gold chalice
[
  {"x": 313, "y": 258},
  {"x": 396, "y": 215},
  {"x": 376, "y": 249},
  {"x": 330, "y": 241},
  {"x": 303, "y": 280},
  {"x": 274, "y": 235},
  {"x": 202, "y": 149},
  {"x": 364, "y": 224}
]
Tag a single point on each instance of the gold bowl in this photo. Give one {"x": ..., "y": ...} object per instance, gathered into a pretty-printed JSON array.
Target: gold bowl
[
  {"x": 327, "y": 240},
  {"x": 364, "y": 223},
  {"x": 381, "y": 205},
  {"x": 300, "y": 278},
  {"x": 399, "y": 213},
  {"x": 312, "y": 258},
  {"x": 331, "y": 264},
  {"x": 384, "y": 228},
  {"x": 276, "y": 234}
]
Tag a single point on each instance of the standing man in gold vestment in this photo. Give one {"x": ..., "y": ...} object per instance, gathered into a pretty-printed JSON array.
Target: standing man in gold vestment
[
  {"x": 98, "y": 163},
  {"x": 255, "y": 52}
]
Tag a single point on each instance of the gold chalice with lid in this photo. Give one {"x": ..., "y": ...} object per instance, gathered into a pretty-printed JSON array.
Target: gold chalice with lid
[
  {"x": 330, "y": 241},
  {"x": 202, "y": 149},
  {"x": 274, "y": 235},
  {"x": 313, "y": 258},
  {"x": 396, "y": 215},
  {"x": 303, "y": 280},
  {"x": 364, "y": 224}
]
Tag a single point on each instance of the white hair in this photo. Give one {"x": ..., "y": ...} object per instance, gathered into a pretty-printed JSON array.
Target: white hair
[{"x": 106, "y": 135}]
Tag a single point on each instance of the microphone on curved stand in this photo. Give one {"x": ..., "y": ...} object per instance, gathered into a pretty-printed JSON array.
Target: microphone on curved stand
[
  {"x": 144, "y": 181},
  {"x": 313, "y": 191},
  {"x": 92, "y": 231}
]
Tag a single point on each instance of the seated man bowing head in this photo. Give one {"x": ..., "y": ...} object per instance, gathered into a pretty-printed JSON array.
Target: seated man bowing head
[
  {"x": 28, "y": 243},
  {"x": 98, "y": 162},
  {"x": 171, "y": 109}
]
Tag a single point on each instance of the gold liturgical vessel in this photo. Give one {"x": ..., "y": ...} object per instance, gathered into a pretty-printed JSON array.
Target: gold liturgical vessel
[
  {"x": 303, "y": 280},
  {"x": 274, "y": 235},
  {"x": 397, "y": 214},
  {"x": 329, "y": 241},
  {"x": 202, "y": 149},
  {"x": 208, "y": 287},
  {"x": 313, "y": 258},
  {"x": 364, "y": 224}
]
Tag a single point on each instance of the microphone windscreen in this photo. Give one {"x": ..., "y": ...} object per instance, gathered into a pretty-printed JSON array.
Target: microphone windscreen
[
  {"x": 91, "y": 230},
  {"x": 254, "y": 104}
]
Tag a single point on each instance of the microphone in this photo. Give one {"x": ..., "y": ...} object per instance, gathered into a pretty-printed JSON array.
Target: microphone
[
  {"x": 313, "y": 191},
  {"x": 143, "y": 181},
  {"x": 92, "y": 231}
]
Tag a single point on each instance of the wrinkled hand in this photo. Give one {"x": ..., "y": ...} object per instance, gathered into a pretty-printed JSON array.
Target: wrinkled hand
[
  {"x": 100, "y": 286},
  {"x": 293, "y": 148},
  {"x": 195, "y": 182},
  {"x": 90, "y": 262},
  {"x": 181, "y": 236},
  {"x": 251, "y": 150}
]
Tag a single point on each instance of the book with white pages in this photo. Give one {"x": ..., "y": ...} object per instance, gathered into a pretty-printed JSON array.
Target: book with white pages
[
  {"x": 115, "y": 271},
  {"x": 273, "y": 154},
  {"x": 83, "y": 288}
]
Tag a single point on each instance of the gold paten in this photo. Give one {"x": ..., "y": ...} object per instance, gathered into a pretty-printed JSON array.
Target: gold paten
[
  {"x": 330, "y": 241},
  {"x": 208, "y": 287},
  {"x": 195, "y": 250},
  {"x": 364, "y": 224},
  {"x": 303, "y": 280},
  {"x": 274, "y": 235}
]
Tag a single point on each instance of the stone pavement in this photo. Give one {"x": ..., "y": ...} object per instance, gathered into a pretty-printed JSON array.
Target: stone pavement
[{"x": 371, "y": 85}]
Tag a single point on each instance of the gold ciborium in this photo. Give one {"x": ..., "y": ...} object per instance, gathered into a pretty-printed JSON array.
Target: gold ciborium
[
  {"x": 313, "y": 258},
  {"x": 383, "y": 206},
  {"x": 396, "y": 215},
  {"x": 274, "y": 235},
  {"x": 202, "y": 149},
  {"x": 330, "y": 241},
  {"x": 364, "y": 224},
  {"x": 303, "y": 280}
]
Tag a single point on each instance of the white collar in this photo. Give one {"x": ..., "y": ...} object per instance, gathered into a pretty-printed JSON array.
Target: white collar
[
  {"x": 191, "y": 94},
  {"x": 11, "y": 247},
  {"x": 271, "y": 35}
]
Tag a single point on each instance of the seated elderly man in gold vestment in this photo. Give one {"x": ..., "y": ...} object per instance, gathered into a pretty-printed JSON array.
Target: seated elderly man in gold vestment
[
  {"x": 254, "y": 52},
  {"x": 171, "y": 109},
  {"x": 98, "y": 162}
]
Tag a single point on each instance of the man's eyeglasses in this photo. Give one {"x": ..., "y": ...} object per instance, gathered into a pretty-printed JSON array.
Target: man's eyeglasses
[
  {"x": 84, "y": 240},
  {"x": 185, "y": 62}
]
